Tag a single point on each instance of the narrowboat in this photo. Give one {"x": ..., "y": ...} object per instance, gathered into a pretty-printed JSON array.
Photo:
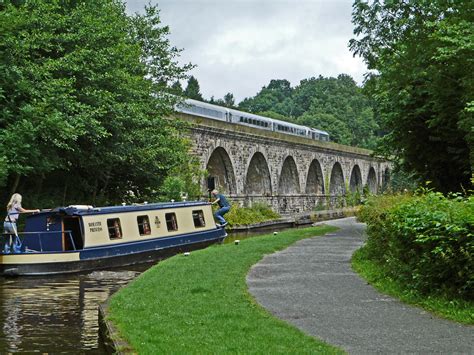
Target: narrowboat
[{"x": 80, "y": 238}]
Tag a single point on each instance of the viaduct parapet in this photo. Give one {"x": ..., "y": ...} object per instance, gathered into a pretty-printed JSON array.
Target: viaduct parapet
[{"x": 291, "y": 174}]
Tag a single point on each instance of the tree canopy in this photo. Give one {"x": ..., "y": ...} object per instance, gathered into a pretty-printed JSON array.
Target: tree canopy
[
  {"x": 336, "y": 105},
  {"x": 422, "y": 57},
  {"x": 83, "y": 96}
]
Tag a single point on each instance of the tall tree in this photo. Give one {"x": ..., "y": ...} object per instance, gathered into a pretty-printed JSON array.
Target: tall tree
[
  {"x": 176, "y": 88},
  {"x": 229, "y": 100},
  {"x": 192, "y": 90},
  {"x": 83, "y": 93},
  {"x": 275, "y": 97},
  {"x": 424, "y": 88}
]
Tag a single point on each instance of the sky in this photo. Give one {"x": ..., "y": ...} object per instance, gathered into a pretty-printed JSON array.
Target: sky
[{"x": 238, "y": 46}]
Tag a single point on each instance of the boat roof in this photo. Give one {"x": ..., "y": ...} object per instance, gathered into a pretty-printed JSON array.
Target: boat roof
[{"x": 83, "y": 210}]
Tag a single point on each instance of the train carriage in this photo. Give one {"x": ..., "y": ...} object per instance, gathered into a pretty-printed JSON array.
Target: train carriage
[{"x": 203, "y": 109}]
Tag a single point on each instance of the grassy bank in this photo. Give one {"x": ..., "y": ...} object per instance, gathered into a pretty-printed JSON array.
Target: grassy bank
[
  {"x": 458, "y": 310},
  {"x": 200, "y": 304}
]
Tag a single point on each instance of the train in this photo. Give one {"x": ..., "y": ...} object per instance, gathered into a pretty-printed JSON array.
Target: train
[{"x": 215, "y": 112}]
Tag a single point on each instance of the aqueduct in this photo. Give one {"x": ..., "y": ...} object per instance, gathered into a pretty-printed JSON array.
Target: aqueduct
[{"x": 290, "y": 173}]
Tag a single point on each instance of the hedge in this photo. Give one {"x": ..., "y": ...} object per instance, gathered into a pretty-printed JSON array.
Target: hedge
[{"x": 425, "y": 241}]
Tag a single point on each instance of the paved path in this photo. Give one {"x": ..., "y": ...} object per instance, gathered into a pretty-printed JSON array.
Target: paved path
[{"x": 312, "y": 286}]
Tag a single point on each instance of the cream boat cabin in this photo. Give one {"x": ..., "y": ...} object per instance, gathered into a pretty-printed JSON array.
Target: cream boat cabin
[{"x": 78, "y": 238}]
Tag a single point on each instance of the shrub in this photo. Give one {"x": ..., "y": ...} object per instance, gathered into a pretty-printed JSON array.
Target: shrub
[
  {"x": 426, "y": 240},
  {"x": 259, "y": 212}
]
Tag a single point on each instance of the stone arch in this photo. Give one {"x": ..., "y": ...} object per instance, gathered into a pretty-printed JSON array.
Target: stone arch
[
  {"x": 386, "y": 178},
  {"x": 288, "y": 183},
  {"x": 336, "y": 183},
  {"x": 372, "y": 181},
  {"x": 315, "y": 180},
  {"x": 258, "y": 180},
  {"x": 219, "y": 167},
  {"x": 355, "y": 183}
]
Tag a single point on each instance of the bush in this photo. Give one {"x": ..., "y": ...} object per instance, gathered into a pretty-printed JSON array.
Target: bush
[
  {"x": 425, "y": 241},
  {"x": 259, "y": 212}
]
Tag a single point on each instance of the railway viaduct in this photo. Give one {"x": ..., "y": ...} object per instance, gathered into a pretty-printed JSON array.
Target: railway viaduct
[{"x": 291, "y": 174}]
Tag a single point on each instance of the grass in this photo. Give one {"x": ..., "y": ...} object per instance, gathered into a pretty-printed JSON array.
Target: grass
[
  {"x": 458, "y": 310},
  {"x": 200, "y": 304}
]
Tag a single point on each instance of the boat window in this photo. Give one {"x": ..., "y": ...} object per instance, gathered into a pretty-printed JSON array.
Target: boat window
[
  {"x": 114, "y": 228},
  {"x": 143, "y": 225},
  {"x": 171, "y": 222},
  {"x": 198, "y": 217}
]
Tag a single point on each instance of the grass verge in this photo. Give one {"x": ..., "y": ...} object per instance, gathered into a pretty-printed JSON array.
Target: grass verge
[
  {"x": 200, "y": 304},
  {"x": 457, "y": 310}
]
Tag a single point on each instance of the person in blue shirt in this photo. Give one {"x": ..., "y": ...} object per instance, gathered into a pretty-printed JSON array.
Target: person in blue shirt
[{"x": 224, "y": 207}]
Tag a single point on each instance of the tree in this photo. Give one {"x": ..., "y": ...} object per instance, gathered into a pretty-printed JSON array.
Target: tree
[
  {"x": 192, "y": 90},
  {"x": 423, "y": 86},
  {"x": 176, "y": 88},
  {"x": 229, "y": 100},
  {"x": 275, "y": 97},
  {"x": 83, "y": 92},
  {"x": 341, "y": 101},
  {"x": 337, "y": 105}
]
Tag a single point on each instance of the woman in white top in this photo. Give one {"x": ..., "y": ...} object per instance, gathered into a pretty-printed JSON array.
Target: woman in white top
[{"x": 13, "y": 210}]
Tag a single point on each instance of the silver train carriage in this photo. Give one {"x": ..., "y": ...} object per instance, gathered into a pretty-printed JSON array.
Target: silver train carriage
[{"x": 220, "y": 113}]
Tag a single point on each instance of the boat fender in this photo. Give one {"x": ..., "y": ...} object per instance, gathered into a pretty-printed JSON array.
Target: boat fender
[{"x": 81, "y": 207}]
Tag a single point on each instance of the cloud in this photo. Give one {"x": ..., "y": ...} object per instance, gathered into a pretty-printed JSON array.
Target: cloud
[{"x": 240, "y": 45}]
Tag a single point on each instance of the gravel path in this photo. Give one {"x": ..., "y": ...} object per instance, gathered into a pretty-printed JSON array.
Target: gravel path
[{"x": 311, "y": 285}]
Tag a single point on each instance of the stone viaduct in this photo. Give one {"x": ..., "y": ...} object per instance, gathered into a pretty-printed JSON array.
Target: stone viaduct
[{"x": 291, "y": 174}]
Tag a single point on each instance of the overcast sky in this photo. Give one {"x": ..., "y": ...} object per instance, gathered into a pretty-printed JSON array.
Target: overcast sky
[{"x": 240, "y": 45}]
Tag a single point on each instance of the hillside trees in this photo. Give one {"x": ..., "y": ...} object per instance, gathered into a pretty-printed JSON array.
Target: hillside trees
[
  {"x": 275, "y": 97},
  {"x": 82, "y": 100},
  {"x": 422, "y": 53},
  {"x": 336, "y": 105}
]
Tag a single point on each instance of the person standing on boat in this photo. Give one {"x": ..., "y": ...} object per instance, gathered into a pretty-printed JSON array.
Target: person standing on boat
[
  {"x": 224, "y": 207},
  {"x": 14, "y": 208}
]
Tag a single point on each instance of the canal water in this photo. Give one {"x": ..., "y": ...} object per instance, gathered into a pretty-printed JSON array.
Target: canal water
[{"x": 59, "y": 314}]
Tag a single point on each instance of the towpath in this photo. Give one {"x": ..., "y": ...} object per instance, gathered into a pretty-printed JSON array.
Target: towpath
[{"x": 311, "y": 285}]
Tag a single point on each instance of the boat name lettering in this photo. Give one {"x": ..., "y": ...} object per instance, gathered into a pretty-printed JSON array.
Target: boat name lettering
[{"x": 95, "y": 226}]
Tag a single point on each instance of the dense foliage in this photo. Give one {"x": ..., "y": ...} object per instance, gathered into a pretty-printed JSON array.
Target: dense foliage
[
  {"x": 425, "y": 241},
  {"x": 422, "y": 56},
  {"x": 83, "y": 96},
  {"x": 336, "y": 105}
]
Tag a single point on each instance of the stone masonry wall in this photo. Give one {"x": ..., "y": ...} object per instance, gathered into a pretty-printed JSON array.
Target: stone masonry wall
[{"x": 231, "y": 148}]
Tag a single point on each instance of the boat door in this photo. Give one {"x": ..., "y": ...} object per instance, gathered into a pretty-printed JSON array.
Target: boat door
[{"x": 72, "y": 233}]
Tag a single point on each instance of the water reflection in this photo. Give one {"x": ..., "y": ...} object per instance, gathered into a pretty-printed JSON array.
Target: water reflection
[{"x": 57, "y": 313}]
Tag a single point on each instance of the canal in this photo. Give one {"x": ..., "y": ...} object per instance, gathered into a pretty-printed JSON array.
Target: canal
[{"x": 57, "y": 314}]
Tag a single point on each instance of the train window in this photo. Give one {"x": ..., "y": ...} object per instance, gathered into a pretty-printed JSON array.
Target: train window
[
  {"x": 143, "y": 223},
  {"x": 241, "y": 119},
  {"x": 171, "y": 222},
  {"x": 198, "y": 218},
  {"x": 114, "y": 228}
]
